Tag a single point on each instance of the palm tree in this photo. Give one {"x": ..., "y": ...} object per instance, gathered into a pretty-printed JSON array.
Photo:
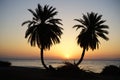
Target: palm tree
[
  {"x": 92, "y": 27},
  {"x": 43, "y": 30}
]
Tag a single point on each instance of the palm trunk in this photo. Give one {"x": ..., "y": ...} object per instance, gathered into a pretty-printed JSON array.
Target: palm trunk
[
  {"x": 82, "y": 56},
  {"x": 42, "y": 59}
]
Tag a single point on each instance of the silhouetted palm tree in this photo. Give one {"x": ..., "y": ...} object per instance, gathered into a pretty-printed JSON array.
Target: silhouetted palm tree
[
  {"x": 43, "y": 30},
  {"x": 92, "y": 27}
]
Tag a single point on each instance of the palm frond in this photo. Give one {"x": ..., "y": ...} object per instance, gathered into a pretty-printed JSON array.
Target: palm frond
[
  {"x": 77, "y": 20},
  {"x": 31, "y": 23},
  {"x": 34, "y": 14},
  {"x": 81, "y": 21},
  {"x": 103, "y": 27},
  {"x": 51, "y": 9},
  {"x": 26, "y": 22},
  {"x": 103, "y": 36},
  {"x": 78, "y": 26},
  {"x": 100, "y": 22},
  {"x": 55, "y": 21},
  {"x": 102, "y": 31},
  {"x": 53, "y": 14},
  {"x": 29, "y": 31},
  {"x": 86, "y": 20},
  {"x": 40, "y": 8},
  {"x": 98, "y": 18}
]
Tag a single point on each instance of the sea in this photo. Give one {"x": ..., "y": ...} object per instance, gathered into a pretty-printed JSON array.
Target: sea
[{"x": 88, "y": 65}]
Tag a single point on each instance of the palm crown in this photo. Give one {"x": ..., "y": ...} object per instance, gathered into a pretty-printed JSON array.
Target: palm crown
[
  {"x": 43, "y": 29},
  {"x": 92, "y": 27}
]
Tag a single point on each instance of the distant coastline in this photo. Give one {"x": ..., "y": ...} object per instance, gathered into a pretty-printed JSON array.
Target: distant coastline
[
  {"x": 7, "y": 59},
  {"x": 95, "y": 65}
]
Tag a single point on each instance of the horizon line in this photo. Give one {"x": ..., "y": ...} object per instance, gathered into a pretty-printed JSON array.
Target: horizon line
[{"x": 115, "y": 59}]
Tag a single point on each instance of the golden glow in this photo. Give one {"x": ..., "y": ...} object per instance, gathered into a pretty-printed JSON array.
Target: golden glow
[
  {"x": 66, "y": 49},
  {"x": 67, "y": 56},
  {"x": 13, "y": 44}
]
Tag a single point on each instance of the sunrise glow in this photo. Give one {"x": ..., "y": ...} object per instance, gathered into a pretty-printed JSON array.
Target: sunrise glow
[
  {"x": 14, "y": 45},
  {"x": 67, "y": 56}
]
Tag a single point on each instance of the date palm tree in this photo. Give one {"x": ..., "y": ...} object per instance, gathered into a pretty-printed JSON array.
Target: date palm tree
[
  {"x": 43, "y": 30},
  {"x": 92, "y": 27}
]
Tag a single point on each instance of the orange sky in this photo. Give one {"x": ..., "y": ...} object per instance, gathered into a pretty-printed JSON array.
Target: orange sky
[{"x": 14, "y": 45}]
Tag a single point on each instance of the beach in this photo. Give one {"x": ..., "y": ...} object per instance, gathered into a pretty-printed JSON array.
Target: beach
[
  {"x": 92, "y": 65},
  {"x": 26, "y": 73}
]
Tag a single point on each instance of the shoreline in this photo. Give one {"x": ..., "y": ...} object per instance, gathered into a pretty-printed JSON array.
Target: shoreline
[
  {"x": 27, "y": 73},
  {"x": 8, "y": 59},
  {"x": 86, "y": 65},
  {"x": 94, "y": 66}
]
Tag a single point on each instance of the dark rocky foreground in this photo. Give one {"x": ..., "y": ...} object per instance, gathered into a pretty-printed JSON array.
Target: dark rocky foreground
[{"x": 67, "y": 72}]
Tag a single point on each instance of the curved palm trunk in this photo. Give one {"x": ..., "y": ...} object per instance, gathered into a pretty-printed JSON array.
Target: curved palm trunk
[
  {"x": 42, "y": 59},
  {"x": 82, "y": 56}
]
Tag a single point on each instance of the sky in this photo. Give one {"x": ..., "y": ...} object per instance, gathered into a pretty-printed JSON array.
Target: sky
[{"x": 14, "y": 12}]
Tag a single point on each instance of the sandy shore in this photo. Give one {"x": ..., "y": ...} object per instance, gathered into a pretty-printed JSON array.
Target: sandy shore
[{"x": 25, "y": 73}]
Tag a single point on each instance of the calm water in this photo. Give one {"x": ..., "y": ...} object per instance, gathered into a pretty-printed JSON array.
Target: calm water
[{"x": 92, "y": 65}]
